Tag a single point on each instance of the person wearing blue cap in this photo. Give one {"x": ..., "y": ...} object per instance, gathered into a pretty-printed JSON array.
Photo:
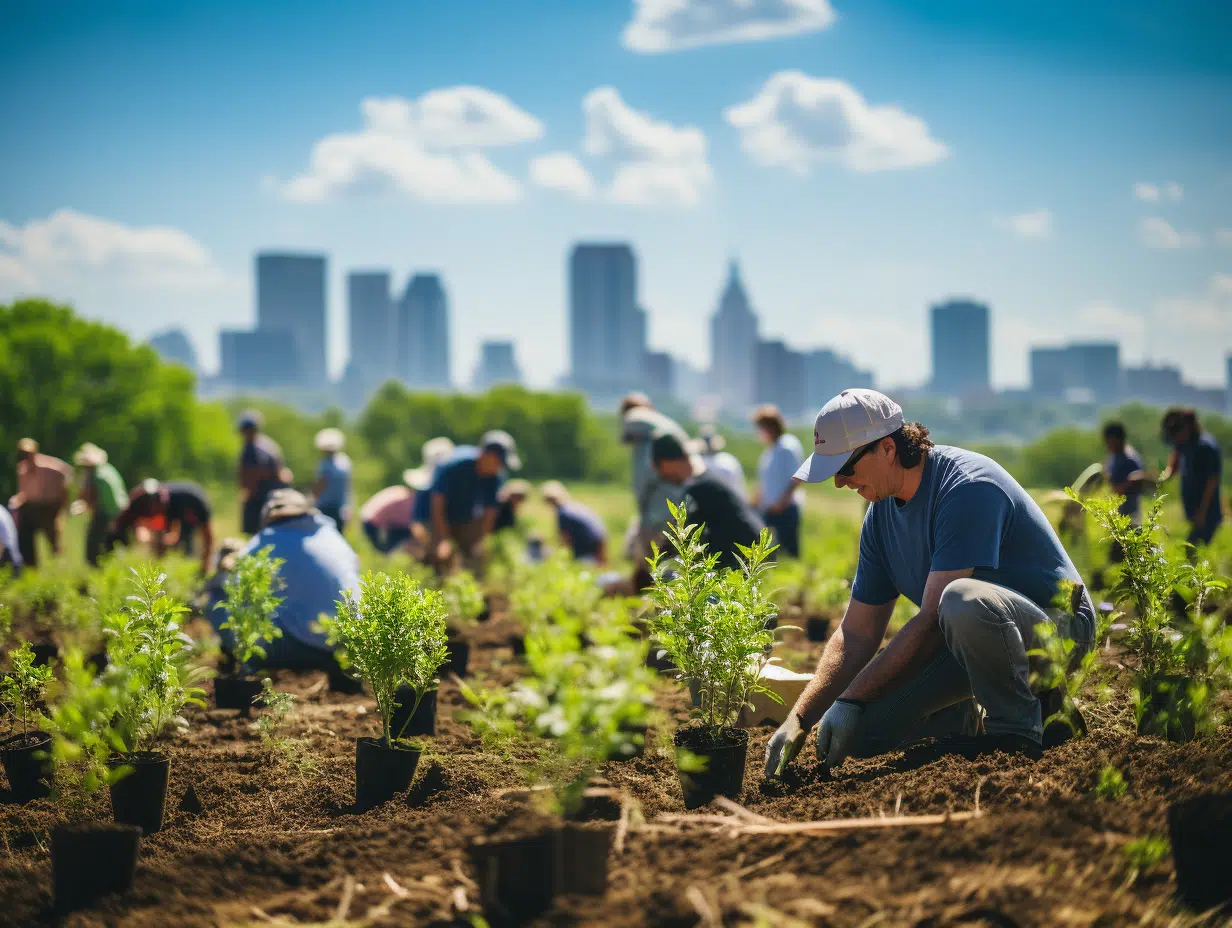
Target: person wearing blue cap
[
  {"x": 261, "y": 470},
  {"x": 953, "y": 532},
  {"x": 462, "y": 499}
]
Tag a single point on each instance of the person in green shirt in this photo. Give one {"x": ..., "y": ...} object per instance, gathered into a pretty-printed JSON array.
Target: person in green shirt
[{"x": 103, "y": 494}]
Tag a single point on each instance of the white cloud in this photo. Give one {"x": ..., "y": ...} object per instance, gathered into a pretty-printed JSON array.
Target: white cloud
[
  {"x": 655, "y": 162},
  {"x": 1155, "y": 232},
  {"x": 1223, "y": 237},
  {"x": 1208, "y": 314},
  {"x": 1100, "y": 319},
  {"x": 1036, "y": 224},
  {"x": 671, "y": 25},
  {"x": 429, "y": 149},
  {"x": 1153, "y": 193},
  {"x": 72, "y": 247},
  {"x": 561, "y": 170},
  {"x": 797, "y": 121}
]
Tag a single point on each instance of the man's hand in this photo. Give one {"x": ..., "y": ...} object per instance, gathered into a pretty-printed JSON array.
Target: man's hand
[
  {"x": 784, "y": 746},
  {"x": 836, "y": 733}
]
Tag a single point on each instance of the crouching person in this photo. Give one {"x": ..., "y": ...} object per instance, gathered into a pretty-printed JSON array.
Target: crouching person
[
  {"x": 319, "y": 567},
  {"x": 953, "y": 532},
  {"x": 463, "y": 504}
]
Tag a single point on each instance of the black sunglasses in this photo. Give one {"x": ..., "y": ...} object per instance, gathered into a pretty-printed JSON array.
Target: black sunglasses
[{"x": 849, "y": 469}]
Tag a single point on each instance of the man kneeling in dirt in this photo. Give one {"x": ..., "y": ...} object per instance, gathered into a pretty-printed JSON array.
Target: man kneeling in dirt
[{"x": 954, "y": 533}]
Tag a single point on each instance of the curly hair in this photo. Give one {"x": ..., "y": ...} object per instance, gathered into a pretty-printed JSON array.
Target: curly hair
[{"x": 911, "y": 443}]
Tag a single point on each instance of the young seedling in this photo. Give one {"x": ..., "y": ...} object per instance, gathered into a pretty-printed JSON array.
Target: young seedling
[
  {"x": 1142, "y": 855},
  {"x": 251, "y": 603},
  {"x": 23, "y": 688},
  {"x": 392, "y": 632},
  {"x": 463, "y": 597},
  {"x": 84, "y": 708},
  {"x": 1111, "y": 785}
]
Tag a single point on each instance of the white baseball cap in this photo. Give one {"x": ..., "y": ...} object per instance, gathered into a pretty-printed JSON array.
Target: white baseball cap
[{"x": 849, "y": 421}]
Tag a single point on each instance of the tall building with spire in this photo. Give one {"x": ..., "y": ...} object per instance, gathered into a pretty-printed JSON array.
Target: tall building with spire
[{"x": 733, "y": 346}]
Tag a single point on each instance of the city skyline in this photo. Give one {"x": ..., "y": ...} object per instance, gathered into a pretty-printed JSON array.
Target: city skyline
[{"x": 1069, "y": 166}]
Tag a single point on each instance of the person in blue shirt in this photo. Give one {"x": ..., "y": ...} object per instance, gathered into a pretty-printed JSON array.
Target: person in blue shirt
[
  {"x": 462, "y": 499},
  {"x": 261, "y": 470},
  {"x": 332, "y": 488},
  {"x": 319, "y": 568},
  {"x": 1124, "y": 470},
  {"x": 952, "y": 531},
  {"x": 578, "y": 527},
  {"x": 1197, "y": 458},
  {"x": 777, "y": 499}
]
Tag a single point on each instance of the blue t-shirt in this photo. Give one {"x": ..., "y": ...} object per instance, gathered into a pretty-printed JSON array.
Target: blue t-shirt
[
  {"x": 466, "y": 494},
  {"x": 336, "y": 469},
  {"x": 967, "y": 512},
  {"x": 1117, "y": 469},
  {"x": 1200, "y": 460},
  {"x": 584, "y": 528}
]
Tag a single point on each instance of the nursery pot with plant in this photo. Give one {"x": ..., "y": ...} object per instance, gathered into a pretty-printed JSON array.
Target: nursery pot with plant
[
  {"x": 1199, "y": 830},
  {"x": 250, "y": 602},
  {"x": 24, "y": 751},
  {"x": 715, "y": 626},
  {"x": 392, "y": 632}
]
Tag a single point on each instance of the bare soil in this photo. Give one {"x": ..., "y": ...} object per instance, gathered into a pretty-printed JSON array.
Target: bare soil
[{"x": 278, "y": 842}]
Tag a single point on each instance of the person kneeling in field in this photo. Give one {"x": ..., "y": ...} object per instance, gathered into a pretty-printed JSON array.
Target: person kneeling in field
[
  {"x": 954, "y": 533},
  {"x": 727, "y": 519},
  {"x": 510, "y": 496},
  {"x": 170, "y": 514},
  {"x": 463, "y": 497},
  {"x": 319, "y": 566},
  {"x": 579, "y": 528}
]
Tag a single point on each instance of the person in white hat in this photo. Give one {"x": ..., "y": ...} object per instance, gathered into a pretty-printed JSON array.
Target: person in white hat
[
  {"x": 389, "y": 517},
  {"x": 332, "y": 488},
  {"x": 103, "y": 494},
  {"x": 953, "y": 532}
]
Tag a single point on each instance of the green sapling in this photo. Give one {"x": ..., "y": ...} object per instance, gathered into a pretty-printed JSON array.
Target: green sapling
[{"x": 251, "y": 602}]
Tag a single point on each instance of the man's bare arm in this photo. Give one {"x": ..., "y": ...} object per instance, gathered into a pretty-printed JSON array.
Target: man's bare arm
[
  {"x": 915, "y": 644},
  {"x": 847, "y": 651}
]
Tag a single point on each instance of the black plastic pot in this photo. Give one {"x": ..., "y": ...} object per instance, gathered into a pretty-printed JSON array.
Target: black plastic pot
[
  {"x": 381, "y": 772},
  {"x": 404, "y": 724},
  {"x": 236, "y": 693},
  {"x": 1169, "y": 712},
  {"x": 639, "y": 747},
  {"x": 141, "y": 796},
  {"x": 44, "y": 653},
  {"x": 817, "y": 628},
  {"x": 29, "y": 774},
  {"x": 88, "y": 861},
  {"x": 655, "y": 662},
  {"x": 1201, "y": 832},
  {"x": 517, "y": 877},
  {"x": 584, "y": 851},
  {"x": 724, "y": 771},
  {"x": 459, "y": 657},
  {"x": 517, "y": 644},
  {"x": 486, "y": 613}
]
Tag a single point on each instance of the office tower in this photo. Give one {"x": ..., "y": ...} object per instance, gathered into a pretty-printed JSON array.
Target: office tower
[
  {"x": 497, "y": 364},
  {"x": 659, "y": 377},
  {"x": 1050, "y": 371},
  {"x": 422, "y": 334},
  {"x": 175, "y": 346},
  {"x": 960, "y": 348},
  {"x": 827, "y": 374},
  {"x": 733, "y": 346},
  {"x": 257, "y": 359},
  {"x": 607, "y": 327},
  {"x": 291, "y": 298},
  {"x": 371, "y": 311},
  {"x": 1086, "y": 371},
  {"x": 781, "y": 378},
  {"x": 689, "y": 384}
]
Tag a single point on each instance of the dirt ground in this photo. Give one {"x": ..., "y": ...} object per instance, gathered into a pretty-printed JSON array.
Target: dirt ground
[{"x": 279, "y": 842}]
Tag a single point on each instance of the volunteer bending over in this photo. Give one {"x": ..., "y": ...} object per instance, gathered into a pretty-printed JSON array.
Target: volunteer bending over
[{"x": 954, "y": 533}]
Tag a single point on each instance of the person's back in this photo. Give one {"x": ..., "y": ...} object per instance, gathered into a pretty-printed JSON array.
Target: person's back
[
  {"x": 729, "y": 520},
  {"x": 110, "y": 491},
  {"x": 967, "y": 513},
  {"x": 319, "y": 567},
  {"x": 389, "y": 507},
  {"x": 43, "y": 479},
  {"x": 335, "y": 470},
  {"x": 466, "y": 493},
  {"x": 583, "y": 527},
  {"x": 1200, "y": 460},
  {"x": 726, "y": 466}
]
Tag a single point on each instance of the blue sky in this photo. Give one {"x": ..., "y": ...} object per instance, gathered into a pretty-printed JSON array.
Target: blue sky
[{"x": 1069, "y": 163}]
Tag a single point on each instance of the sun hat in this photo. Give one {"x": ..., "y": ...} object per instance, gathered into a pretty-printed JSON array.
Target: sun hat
[
  {"x": 554, "y": 492},
  {"x": 849, "y": 421},
  {"x": 435, "y": 452},
  {"x": 90, "y": 455},
  {"x": 512, "y": 488},
  {"x": 502, "y": 443},
  {"x": 285, "y": 503},
  {"x": 330, "y": 440},
  {"x": 27, "y": 446}
]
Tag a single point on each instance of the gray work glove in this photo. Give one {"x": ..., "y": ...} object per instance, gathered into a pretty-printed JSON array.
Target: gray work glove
[
  {"x": 836, "y": 733},
  {"x": 784, "y": 746}
]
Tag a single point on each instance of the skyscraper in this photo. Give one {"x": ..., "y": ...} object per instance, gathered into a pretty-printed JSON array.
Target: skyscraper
[
  {"x": 422, "y": 334},
  {"x": 175, "y": 346},
  {"x": 960, "y": 348},
  {"x": 733, "y": 346},
  {"x": 256, "y": 359},
  {"x": 782, "y": 377},
  {"x": 607, "y": 327},
  {"x": 1089, "y": 371},
  {"x": 291, "y": 298},
  {"x": 497, "y": 364},
  {"x": 371, "y": 312},
  {"x": 827, "y": 374}
]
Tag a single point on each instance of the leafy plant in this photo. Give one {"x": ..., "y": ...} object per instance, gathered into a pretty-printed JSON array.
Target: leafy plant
[
  {"x": 1142, "y": 855},
  {"x": 1056, "y": 666},
  {"x": 23, "y": 687},
  {"x": 463, "y": 597},
  {"x": 279, "y": 705},
  {"x": 1111, "y": 784},
  {"x": 84, "y": 707},
  {"x": 713, "y": 623},
  {"x": 250, "y": 603},
  {"x": 392, "y": 632},
  {"x": 148, "y": 647}
]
